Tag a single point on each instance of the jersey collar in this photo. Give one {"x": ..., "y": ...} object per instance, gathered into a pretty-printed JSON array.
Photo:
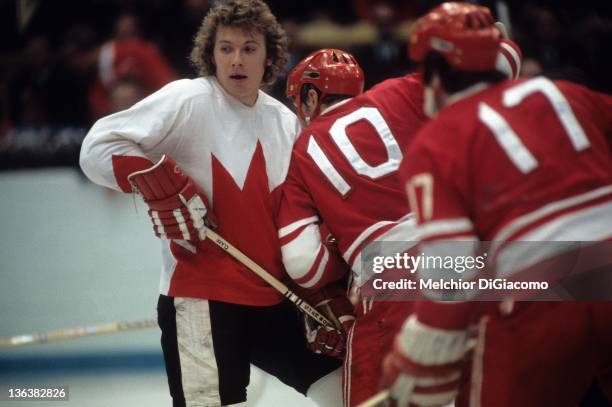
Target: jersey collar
[{"x": 455, "y": 97}]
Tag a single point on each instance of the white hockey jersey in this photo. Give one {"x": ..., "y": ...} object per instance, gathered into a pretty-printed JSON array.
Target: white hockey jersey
[{"x": 238, "y": 156}]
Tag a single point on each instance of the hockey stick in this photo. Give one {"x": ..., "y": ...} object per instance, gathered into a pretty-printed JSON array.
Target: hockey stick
[
  {"x": 114, "y": 327},
  {"x": 375, "y": 400},
  {"x": 76, "y": 332},
  {"x": 268, "y": 278}
]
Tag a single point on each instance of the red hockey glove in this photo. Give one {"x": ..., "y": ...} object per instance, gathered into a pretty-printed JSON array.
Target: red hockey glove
[
  {"x": 425, "y": 365},
  {"x": 335, "y": 305},
  {"x": 177, "y": 208}
]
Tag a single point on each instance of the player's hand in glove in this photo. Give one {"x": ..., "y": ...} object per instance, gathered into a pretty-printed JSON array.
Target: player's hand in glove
[
  {"x": 332, "y": 302},
  {"x": 178, "y": 209},
  {"x": 425, "y": 365}
]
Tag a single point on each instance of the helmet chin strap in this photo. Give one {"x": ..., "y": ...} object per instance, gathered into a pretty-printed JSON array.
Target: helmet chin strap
[
  {"x": 430, "y": 105},
  {"x": 429, "y": 102},
  {"x": 316, "y": 112},
  {"x": 301, "y": 113}
]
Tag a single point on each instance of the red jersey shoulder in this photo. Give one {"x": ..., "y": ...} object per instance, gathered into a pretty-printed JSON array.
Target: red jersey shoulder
[
  {"x": 403, "y": 95},
  {"x": 497, "y": 135},
  {"x": 594, "y": 105},
  {"x": 399, "y": 101},
  {"x": 449, "y": 131},
  {"x": 410, "y": 86}
]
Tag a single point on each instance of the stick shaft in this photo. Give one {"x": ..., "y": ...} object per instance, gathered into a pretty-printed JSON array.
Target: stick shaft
[
  {"x": 74, "y": 333},
  {"x": 376, "y": 399},
  {"x": 114, "y": 327},
  {"x": 268, "y": 278}
]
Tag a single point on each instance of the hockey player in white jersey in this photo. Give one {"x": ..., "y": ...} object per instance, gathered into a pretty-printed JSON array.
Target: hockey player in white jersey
[{"x": 214, "y": 151}]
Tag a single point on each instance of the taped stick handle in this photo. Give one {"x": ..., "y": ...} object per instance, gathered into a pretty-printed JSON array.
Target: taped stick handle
[
  {"x": 268, "y": 278},
  {"x": 74, "y": 333}
]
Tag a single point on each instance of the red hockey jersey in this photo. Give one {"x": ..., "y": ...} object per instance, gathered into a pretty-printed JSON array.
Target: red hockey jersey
[
  {"x": 344, "y": 172},
  {"x": 525, "y": 160}
]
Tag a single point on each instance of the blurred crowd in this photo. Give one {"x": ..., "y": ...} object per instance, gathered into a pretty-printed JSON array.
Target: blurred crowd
[{"x": 63, "y": 64}]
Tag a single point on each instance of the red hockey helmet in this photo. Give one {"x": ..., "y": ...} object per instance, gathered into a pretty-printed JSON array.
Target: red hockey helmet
[
  {"x": 463, "y": 33},
  {"x": 331, "y": 71}
]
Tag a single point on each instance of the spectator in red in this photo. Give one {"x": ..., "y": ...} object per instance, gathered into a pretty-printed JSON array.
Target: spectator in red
[
  {"x": 131, "y": 58},
  {"x": 127, "y": 57},
  {"x": 123, "y": 57}
]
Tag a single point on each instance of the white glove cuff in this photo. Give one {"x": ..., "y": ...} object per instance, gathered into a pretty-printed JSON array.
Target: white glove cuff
[{"x": 430, "y": 346}]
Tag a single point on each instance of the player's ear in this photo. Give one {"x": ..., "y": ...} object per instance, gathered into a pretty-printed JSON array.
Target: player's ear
[{"x": 313, "y": 98}]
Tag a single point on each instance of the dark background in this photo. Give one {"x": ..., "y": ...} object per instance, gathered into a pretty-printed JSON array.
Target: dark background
[{"x": 48, "y": 64}]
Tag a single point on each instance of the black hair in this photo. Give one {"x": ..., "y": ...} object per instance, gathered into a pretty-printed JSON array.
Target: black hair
[{"x": 327, "y": 100}]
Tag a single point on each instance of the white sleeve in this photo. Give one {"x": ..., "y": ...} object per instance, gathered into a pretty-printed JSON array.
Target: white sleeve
[
  {"x": 137, "y": 131},
  {"x": 304, "y": 256}
]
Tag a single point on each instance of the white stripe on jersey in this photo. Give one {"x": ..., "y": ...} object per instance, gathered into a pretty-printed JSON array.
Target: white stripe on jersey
[
  {"x": 362, "y": 237},
  {"x": 589, "y": 224},
  {"x": 318, "y": 156},
  {"x": 348, "y": 366},
  {"x": 521, "y": 222},
  {"x": 445, "y": 227},
  {"x": 300, "y": 253},
  {"x": 317, "y": 276},
  {"x": 477, "y": 364},
  {"x": 403, "y": 233},
  {"x": 284, "y": 231}
]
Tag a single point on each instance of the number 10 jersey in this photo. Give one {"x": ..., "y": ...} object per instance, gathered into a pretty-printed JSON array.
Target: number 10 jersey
[{"x": 344, "y": 173}]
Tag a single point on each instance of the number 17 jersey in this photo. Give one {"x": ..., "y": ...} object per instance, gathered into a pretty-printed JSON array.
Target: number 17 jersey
[
  {"x": 344, "y": 173},
  {"x": 522, "y": 160}
]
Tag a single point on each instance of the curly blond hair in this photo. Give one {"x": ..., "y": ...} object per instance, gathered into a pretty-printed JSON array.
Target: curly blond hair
[{"x": 250, "y": 16}]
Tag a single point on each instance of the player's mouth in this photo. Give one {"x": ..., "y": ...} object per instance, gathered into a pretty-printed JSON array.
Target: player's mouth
[{"x": 238, "y": 77}]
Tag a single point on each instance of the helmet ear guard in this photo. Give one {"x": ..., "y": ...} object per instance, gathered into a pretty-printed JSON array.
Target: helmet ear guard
[
  {"x": 509, "y": 58},
  {"x": 331, "y": 71}
]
